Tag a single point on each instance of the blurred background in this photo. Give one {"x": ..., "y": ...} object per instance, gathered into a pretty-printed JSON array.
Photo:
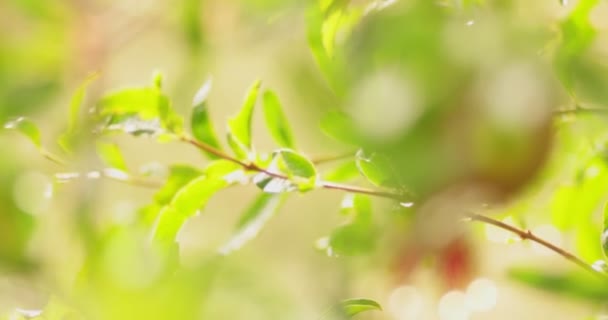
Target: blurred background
[{"x": 445, "y": 90}]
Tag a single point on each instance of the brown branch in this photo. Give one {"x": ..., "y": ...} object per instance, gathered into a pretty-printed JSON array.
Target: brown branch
[
  {"x": 254, "y": 167},
  {"x": 523, "y": 234},
  {"x": 528, "y": 235}
]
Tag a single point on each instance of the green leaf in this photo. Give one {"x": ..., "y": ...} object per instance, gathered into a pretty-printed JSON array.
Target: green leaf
[
  {"x": 276, "y": 121},
  {"x": 179, "y": 176},
  {"x": 201, "y": 125},
  {"x": 111, "y": 155},
  {"x": 577, "y": 35},
  {"x": 252, "y": 221},
  {"x": 359, "y": 235},
  {"x": 340, "y": 127},
  {"x": 143, "y": 102},
  {"x": 127, "y": 106},
  {"x": 239, "y": 126},
  {"x": 343, "y": 173},
  {"x": 353, "y": 307},
  {"x": 604, "y": 237},
  {"x": 297, "y": 164},
  {"x": 74, "y": 111},
  {"x": 376, "y": 168},
  {"x": 299, "y": 169},
  {"x": 26, "y": 127},
  {"x": 573, "y": 284},
  {"x": 186, "y": 202}
]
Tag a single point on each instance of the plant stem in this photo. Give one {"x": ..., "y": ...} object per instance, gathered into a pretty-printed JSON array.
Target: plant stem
[
  {"x": 581, "y": 110},
  {"x": 322, "y": 160},
  {"x": 523, "y": 234},
  {"x": 528, "y": 235},
  {"x": 254, "y": 167}
]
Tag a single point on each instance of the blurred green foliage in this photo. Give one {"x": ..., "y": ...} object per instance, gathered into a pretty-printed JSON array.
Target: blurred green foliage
[{"x": 447, "y": 107}]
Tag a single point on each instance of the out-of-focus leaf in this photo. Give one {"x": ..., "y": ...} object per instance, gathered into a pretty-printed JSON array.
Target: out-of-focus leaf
[
  {"x": 239, "y": 126},
  {"x": 179, "y": 176},
  {"x": 577, "y": 35},
  {"x": 604, "y": 237},
  {"x": 376, "y": 168},
  {"x": 201, "y": 125},
  {"x": 298, "y": 168},
  {"x": 276, "y": 121},
  {"x": 576, "y": 285},
  {"x": 191, "y": 23},
  {"x": 145, "y": 104},
  {"x": 357, "y": 236},
  {"x": 344, "y": 172},
  {"x": 27, "y": 128},
  {"x": 75, "y": 107},
  {"x": 111, "y": 155},
  {"x": 186, "y": 202},
  {"x": 252, "y": 221},
  {"x": 352, "y": 307},
  {"x": 340, "y": 127}
]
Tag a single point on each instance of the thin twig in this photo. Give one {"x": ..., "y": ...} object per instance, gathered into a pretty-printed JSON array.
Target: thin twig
[
  {"x": 528, "y": 235},
  {"x": 254, "y": 167},
  {"x": 325, "y": 159},
  {"x": 127, "y": 178},
  {"x": 581, "y": 110},
  {"x": 523, "y": 234}
]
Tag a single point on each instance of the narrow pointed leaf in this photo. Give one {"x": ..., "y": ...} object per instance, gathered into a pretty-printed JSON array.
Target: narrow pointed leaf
[
  {"x": 353, "y": 307},
  {"x": 186, "y": 203},
  {"x": 74, "y": 112},
  {"x": 111, "y": 155},
  {"x": 143, "y": 104},
  {"x": 26, "y": 127},
  {"x": 239, "y": 126},
  {"x": 344, "y": 172},
  {"x": 340, "y": 127},
  {"x": 179, "y": 176},
  {"x": 276, "y": 121},
  {"x": 252, "y": 221},
  {"x": 200, "y": 122}
]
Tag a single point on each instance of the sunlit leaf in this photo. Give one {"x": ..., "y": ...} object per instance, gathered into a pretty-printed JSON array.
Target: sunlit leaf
[
  {"x": 344, "y": 172},
  {"x": 298, "y": 168},
  {"x": 298, "y": 165},
  {"x": 276, "y": 121},
  {"x": 576, "y": 285},
  {"x": 75, "y": 110},
  {"x": 239, "y": 126},
  {"x": 339, "y": 126},
  {"x": 144, "y": 104},
  {"x": 252, "y": 221},
  {"x": 111, "y": 155},
  {"x": 179, "y": 175},
  {"x": 355, "y": 306},
  {"x": 187, "y": 201},
  {"x": 376, "y": 168},
  {"x": 359, "y": 235},
  {"x": 26, "y": 127},
  {"x": 201, "y": 125}
]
